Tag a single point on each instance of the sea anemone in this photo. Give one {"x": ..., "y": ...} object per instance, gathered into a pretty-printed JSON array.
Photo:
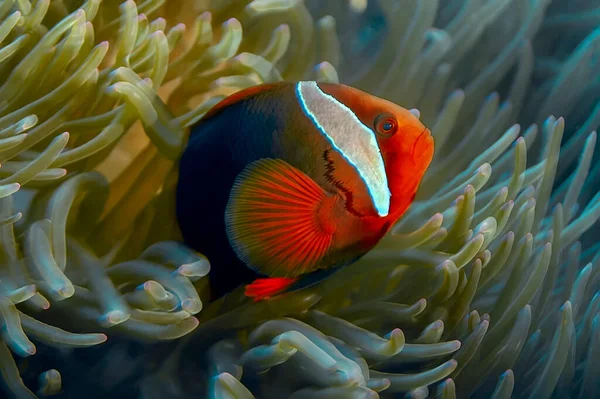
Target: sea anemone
[{"x": 488, "y": 287}]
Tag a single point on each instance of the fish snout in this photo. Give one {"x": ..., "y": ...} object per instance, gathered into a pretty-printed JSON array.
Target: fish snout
[{"x": 423, "y": 146}]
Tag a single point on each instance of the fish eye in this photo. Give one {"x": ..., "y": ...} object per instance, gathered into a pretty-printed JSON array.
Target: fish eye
[{"x": 386, "y": 124}]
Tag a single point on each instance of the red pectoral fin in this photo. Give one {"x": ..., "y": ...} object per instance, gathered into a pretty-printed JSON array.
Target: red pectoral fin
[
  {"x": 263, "y": 288},
  {"x": 277, "y": 219}
]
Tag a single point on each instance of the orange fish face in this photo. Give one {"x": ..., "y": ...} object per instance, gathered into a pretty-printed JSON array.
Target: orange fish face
[
  {"x": 406, "y": 144},
  {"x": 407, "y": 148}
]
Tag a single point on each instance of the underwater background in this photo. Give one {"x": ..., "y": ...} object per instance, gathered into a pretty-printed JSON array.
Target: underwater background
[{"x": 487, "y": 288}]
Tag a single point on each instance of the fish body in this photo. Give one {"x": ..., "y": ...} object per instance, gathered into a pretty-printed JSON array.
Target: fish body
[{"x": 282, "y": 184}]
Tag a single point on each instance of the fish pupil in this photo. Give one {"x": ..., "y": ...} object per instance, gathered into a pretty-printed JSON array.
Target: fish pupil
[{"x": 385, "y": 124}]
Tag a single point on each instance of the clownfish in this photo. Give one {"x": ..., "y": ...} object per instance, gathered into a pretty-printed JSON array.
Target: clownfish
[{"x": 282, "y": 184}]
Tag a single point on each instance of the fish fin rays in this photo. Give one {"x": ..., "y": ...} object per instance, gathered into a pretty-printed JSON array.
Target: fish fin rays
[{"x": 277, "y": 219}]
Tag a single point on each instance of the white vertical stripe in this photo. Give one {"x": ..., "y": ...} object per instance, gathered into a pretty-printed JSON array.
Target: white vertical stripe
[{"x": 348, "y": 135}]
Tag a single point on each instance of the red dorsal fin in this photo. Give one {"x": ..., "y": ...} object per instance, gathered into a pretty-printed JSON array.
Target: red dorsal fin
[
  {"x": 277, "y": 219},
  {"x": 241, "y": 95},
  {"x": 263, "y": 288}
]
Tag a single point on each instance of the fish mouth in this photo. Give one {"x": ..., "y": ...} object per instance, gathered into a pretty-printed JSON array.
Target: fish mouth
[{"x": 421, "y": 145}]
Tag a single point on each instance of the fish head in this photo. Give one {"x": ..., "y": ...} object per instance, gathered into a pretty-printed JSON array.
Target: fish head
[
  {"x": 405, "y": 144},
  {"x": 407, "y": 149}
]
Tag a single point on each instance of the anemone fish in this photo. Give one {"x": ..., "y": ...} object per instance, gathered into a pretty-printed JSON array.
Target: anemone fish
[{"x": 282, "y": 184}]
